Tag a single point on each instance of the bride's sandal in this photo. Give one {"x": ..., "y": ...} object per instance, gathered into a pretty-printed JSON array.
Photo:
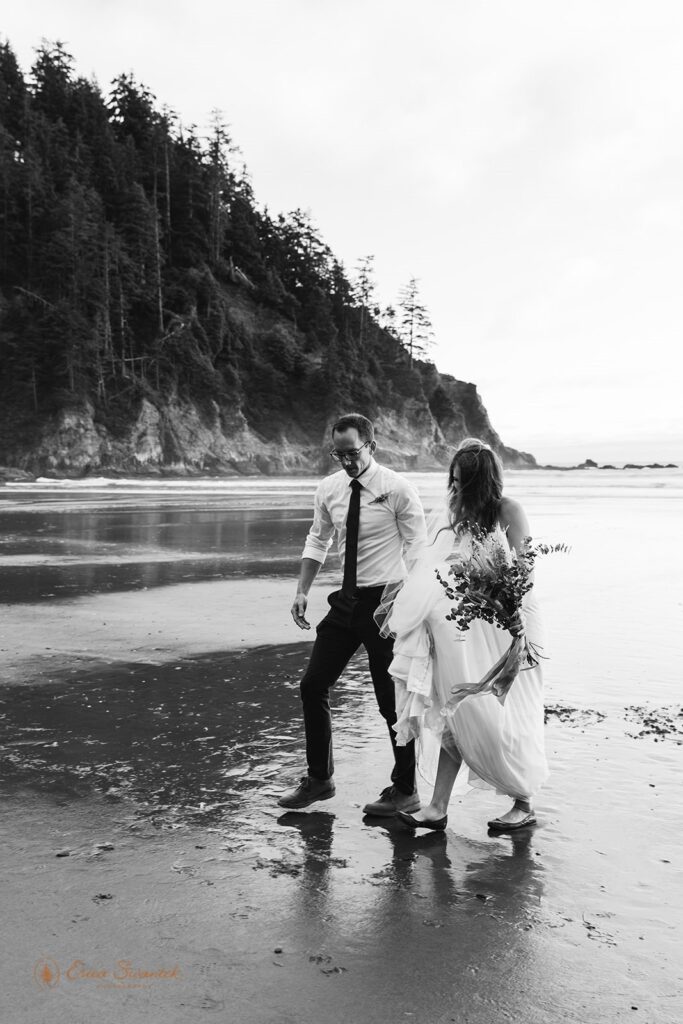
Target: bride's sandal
[
  {"x": 500, "y": 825},
  {"x": 436, "y": 826}
]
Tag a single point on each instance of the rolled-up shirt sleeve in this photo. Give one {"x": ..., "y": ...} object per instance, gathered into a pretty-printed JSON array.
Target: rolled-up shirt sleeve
[
  {"x": 320, "y": 534},
  {"x": 410, "y": 518}
]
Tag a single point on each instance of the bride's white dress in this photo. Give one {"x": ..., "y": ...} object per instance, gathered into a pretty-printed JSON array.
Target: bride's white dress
[{"x": 502, "y": 745}]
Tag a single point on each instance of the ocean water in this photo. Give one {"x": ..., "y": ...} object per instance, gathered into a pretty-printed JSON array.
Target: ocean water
[{"x": 613, "y": 605}]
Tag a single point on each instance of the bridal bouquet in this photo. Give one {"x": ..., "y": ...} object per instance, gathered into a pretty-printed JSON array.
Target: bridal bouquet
[{"x": 489, "y": 582}]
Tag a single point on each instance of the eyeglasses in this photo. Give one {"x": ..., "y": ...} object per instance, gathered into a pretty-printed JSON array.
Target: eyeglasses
[{"x": 351, "y": 453}]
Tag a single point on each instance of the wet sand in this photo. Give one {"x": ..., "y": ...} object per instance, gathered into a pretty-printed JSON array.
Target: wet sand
[
  {"x": 147, "y": 729},
  {"x": 141, "y": 829},
  {"x": 150, "y": 626}
]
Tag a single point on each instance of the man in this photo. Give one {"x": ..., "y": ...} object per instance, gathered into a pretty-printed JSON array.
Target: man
[{"x": 375, "y": 514}]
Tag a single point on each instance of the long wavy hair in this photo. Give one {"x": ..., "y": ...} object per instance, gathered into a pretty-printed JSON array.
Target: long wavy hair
[{"x": 476, "y": 502}]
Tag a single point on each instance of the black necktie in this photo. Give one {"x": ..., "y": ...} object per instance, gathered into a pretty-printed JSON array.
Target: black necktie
[{"x": 351, "y": 549}]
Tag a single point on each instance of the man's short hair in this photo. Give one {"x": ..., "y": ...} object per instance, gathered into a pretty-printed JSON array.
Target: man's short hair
[{"x": 354, "y": 421}]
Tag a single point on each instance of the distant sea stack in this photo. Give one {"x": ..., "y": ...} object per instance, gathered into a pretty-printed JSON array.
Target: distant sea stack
[
  {"x": 590, "y": 464},
  {"x": 155, "y": 320}
]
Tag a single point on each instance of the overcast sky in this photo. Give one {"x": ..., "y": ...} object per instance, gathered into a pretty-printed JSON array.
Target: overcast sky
[{"x": 523, "y": 159}]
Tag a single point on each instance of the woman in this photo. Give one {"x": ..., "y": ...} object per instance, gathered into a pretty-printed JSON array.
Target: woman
[{"x": 501, "y": 744}]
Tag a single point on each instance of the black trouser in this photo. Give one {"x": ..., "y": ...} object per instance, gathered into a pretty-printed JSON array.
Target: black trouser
[{"x": 347, "y": 625}]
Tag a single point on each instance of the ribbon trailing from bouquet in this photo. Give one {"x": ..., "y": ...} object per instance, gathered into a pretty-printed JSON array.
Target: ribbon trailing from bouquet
[{"x": 520, "y": 655}]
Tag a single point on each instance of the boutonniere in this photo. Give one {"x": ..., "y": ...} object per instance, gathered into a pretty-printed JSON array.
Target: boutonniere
[{"x": 381, "y": 498}]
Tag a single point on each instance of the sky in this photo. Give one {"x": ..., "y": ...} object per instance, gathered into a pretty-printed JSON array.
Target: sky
[{"x": 523, "y": 160}]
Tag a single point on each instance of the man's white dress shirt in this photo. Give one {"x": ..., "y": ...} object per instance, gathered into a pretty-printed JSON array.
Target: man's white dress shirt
[{"x": 391, "y": 523}]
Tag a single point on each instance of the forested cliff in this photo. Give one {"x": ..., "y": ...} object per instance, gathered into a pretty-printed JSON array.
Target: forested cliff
[{"x": 154, "y": 319}]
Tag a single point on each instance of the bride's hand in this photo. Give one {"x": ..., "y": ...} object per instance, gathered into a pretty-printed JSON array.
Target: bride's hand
[
  {"x": 517, "y": 623},
  {"x": 299, "y": 611}
]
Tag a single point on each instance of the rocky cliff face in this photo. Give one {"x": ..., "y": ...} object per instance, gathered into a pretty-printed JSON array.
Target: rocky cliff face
[
  {"x": 179, "y": 438},
  {"x": 271, "y": 412}
]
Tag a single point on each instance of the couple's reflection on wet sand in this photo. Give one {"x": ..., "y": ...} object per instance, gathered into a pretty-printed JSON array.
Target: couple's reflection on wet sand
[
  {"x": 453, "y": 869},
  {"x": 316, "y": 829},
  {"x": 445, "y": 868}
]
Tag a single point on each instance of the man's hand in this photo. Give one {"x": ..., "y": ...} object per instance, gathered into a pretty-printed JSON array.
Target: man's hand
[
  {"x": 309, "y": 571},
  {"x": 299, "y": 611}
]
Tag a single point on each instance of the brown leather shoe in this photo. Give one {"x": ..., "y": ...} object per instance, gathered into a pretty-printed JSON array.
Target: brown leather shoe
[
  {"x": 392, "y": 800},
  {"x": 309, "y": 791}
]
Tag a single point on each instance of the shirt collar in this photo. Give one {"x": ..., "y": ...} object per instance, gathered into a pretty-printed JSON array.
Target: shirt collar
[{"x": 369, "y": 479}]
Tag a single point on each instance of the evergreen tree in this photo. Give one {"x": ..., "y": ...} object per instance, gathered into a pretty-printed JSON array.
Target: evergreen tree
[
  {"x": 364, "y": 294},
  {"x": 415, "y": 327}
]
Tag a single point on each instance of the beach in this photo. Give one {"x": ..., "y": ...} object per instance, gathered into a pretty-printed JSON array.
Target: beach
[{"x": 150, "y": 716}]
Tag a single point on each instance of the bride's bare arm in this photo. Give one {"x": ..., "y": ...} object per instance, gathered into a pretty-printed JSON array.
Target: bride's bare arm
[{"x": 515, "y": 523}]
